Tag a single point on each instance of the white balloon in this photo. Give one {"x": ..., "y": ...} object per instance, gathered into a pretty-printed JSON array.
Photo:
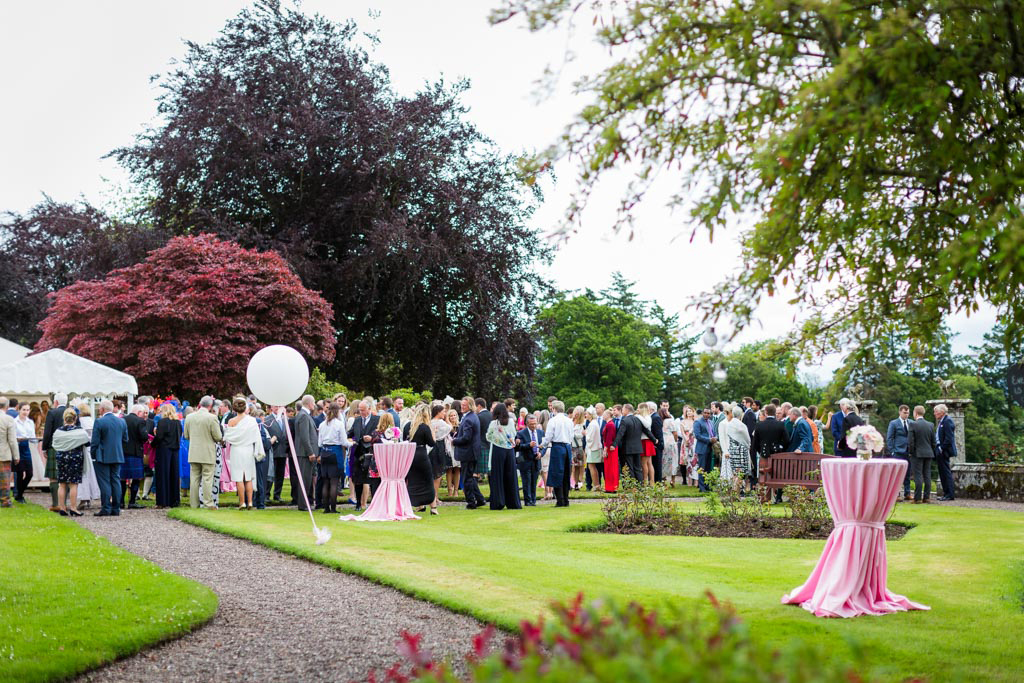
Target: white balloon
[{"x": 277, "y": 375}]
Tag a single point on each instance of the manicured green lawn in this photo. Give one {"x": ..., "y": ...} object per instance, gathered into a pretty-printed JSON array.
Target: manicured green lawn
[
  {"x": 71, "y": 601},
  {"x": 967, "y": 564}
]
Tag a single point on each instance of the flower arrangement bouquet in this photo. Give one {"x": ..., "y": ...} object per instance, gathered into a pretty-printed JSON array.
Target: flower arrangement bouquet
[{"x": 865, "y": 440}]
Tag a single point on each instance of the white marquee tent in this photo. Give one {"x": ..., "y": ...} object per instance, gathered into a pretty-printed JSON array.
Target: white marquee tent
[
  {"x": 38, "y": 376},
  {"x": 11, "y": 352},
  {"x": 57, "y": 370}
]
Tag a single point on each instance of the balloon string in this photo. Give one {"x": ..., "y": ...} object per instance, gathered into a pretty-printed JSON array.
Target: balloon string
[{"x": 298, "y": 472}]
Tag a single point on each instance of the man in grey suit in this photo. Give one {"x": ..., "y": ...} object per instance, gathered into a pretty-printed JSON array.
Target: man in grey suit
[
  {"x": 109, "y": 436},
  {"x": 306, "y": 447},
  {"x": 202, "y": 429},
  {"x": 919, "y": 445},
  {"x": 897, "y": 443}
]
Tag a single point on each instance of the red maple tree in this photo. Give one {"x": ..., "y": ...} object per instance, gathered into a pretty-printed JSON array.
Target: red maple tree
[{"x": 189, "y": 317}]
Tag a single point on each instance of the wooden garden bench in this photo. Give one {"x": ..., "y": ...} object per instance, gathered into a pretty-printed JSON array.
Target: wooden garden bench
[{"x": 790, "y": 469}]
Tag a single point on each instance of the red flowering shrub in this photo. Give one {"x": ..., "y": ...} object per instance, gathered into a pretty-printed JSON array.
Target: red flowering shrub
[
  {"x": 189, "y": 316},
  {"x": 598, "y": 643}
]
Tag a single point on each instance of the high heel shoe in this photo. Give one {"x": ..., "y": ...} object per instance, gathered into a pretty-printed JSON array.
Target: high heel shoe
[{"x": 434, "y": 511}]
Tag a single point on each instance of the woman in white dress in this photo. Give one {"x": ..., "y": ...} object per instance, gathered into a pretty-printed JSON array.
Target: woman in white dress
[
  {"x": 595, "y": 448},
  {"x": 440, "y": 461},
  {"x": 89, "y": 489},
  {"x": 579, "y": 458},
  {"x": 243, "y": 434},
  {"x": 723, "y": 440},
  {"x": 670, "y": 450}
]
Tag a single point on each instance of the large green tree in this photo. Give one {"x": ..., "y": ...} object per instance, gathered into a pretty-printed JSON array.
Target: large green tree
[
  {"x": 594, "y": 352},
  {"x": 754, "y": 370},
  {"x": 877, "y": 144}
]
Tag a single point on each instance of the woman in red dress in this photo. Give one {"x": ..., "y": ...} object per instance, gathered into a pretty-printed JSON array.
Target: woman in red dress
[{"x": 611, "y": 455}]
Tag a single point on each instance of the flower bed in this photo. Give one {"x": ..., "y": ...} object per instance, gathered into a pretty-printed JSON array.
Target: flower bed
[{"x": 641, "y": 509}]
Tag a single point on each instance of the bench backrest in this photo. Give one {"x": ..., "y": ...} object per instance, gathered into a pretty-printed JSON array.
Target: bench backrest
[{"x": 784, "y": 469}]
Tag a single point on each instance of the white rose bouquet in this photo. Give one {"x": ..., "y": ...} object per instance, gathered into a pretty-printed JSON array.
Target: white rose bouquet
[{"x": 865, "y": 439}]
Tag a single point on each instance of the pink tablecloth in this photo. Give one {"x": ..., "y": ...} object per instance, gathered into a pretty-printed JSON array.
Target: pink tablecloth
[
  {"x": 391, "y": 502},
  {"x": 850, "y": 578}
]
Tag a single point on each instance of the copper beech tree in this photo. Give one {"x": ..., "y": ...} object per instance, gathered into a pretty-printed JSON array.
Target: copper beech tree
[{"x": 189, "y": 316}]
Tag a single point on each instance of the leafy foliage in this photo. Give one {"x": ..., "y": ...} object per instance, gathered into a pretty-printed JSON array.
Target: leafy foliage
[
  {"x": 755, "y": 370},
  {"x": 320, "y": 387},
  {"x": 53, "y": 246},
  {"x": 724, "y": 501},
  {"x": 876, "y": 144},
  {"x": 603, "y": 642},
  {"x": 593, "y": 352},
  {"x": 640, "y": 508},
  {"x": 188, "y": 318},
  {"x": 283, "y": 134},
  {"x": 411, "y": 396}
]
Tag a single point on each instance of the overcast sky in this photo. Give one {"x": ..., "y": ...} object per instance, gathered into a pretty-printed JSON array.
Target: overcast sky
[{"x": 76, "y": 85}]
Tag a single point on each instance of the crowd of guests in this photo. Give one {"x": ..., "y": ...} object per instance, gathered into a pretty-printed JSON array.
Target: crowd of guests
[{"x": 168, "y": 449}]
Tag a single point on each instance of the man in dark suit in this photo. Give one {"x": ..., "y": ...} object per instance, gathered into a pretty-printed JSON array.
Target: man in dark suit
[
  {"x": 800, "y": 439},
  {"x": 54, "y": 421},
  {"x": 135, "y": 422},
  {"x": 306, "y": 450},
  {"x": 945, "y": 450},
  {"x": 467, "y": 451},
  {"x": 484, "y": 416},
  {"x": 769, "y": 438},
  {"x": 850, "y": 420},
  {"x": 274, "y": 422},
  {"x": 919, "y": 445},
  {"x": 658, "y": 430},
  {"x": 628, "y": 441},
  {"x": 836, "y": 427},
  {"x": 528, "y": 457},
  {"x": 706, "y": 437},
  {"x": 109, "y": 436},
  {"x": 363, "y": 429},
  {"x": 749, "y": 416},
  {"x": 897, "y": 443}
]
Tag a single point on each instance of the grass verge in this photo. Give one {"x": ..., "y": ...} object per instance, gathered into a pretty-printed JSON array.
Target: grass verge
[
  {"x": 71, "y": 601},
  {"x": 505, "y": 566}
]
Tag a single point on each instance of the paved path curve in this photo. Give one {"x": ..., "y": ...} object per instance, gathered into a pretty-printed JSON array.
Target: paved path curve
[{"x": 280, "y": 618}]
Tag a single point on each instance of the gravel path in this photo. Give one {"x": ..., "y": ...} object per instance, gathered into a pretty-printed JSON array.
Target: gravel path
[
  {"x": 280, "y": 618},
  {"x": 993, "y": 504}
]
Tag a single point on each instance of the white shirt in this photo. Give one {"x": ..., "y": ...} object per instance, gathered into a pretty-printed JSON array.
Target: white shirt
[
  {"x": 333, "y": 433},
  {"x": 24, "y": 429},
  {"x": 559, "y": 430}
]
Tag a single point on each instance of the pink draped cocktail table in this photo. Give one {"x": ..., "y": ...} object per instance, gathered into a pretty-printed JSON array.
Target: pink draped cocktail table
[
  {"x": 391, "y": 502},
  {"x": 850, "y": 578}
]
